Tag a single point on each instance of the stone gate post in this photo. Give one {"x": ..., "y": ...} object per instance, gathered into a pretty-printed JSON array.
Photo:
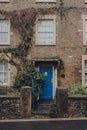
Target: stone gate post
[
  {"x": 62, "y": 100},
  {"x": 25, "y": 101}
]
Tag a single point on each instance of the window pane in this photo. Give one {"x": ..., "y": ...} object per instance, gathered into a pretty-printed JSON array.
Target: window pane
[
  {"x": 4, "y": 30},
  {"x": 3, "y": 38},
  {"x": 45, "y": 31},
  {"x": 1, "y": 77},
  {"x": 86, "y": 26},
  {"x": 85, "y": 71},
  {"x": 85, "y": 66},
  {"x": 85, "y": 63},
  {"x": 85, "y": 78},
  {"x": 45, "y": 38},
  {"x": 5, "y": 66},
  {"x": 4, "y": 72},
  {"x": 5, "y": 77},
  {"x": 1, "y": 66},
  {"x": 86, "y": 81}
]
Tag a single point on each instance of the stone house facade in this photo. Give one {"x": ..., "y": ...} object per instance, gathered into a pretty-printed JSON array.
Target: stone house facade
[{"x": 62, "y": 34}]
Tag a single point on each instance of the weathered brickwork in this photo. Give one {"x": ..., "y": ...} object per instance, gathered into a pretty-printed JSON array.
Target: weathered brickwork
[
  {"x": 22, "y": 4},
  {"x": 69, "y": 36}
]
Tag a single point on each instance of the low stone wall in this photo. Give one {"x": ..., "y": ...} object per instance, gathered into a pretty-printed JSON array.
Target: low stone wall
[
  {"x": 16, "y": 107},
  {"x": 9, "y": 107},
  {"x": 77, "y": 105},
  {"x": 70, "y": 105}
]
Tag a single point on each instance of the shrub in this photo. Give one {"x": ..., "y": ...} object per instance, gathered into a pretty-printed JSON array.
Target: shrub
[
  {"x": 12, "y": 92},
  {"x": 25, "y": 77},
  {"x": 53, "y": 111},
  {"x": 77, "y": 89}
]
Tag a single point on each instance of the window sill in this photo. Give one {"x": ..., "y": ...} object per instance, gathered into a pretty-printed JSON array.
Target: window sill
[
  {"x": 5, "y": 1},
  {"x": 5, "y": 44},
  {"x": 84, "y": 85},
  {"x": 45, "y": 45},
  {"x": 46, "y": 1},
  {"x": 85, "y": 1},
  {"x": 4, "y": 84}
]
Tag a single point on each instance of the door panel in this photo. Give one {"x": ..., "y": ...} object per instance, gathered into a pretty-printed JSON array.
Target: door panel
[{"x": 47, "y": 85}]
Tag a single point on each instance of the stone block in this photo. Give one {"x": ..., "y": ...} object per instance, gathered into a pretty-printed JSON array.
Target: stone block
[
  {"x": 62, "y": 100},
  {"x": 25, "y": 101},
  {"x": 3, "y": 90}
]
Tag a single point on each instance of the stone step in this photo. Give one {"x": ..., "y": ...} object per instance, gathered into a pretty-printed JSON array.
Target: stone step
[
  {"x": 41, "y": 112},
  {"x": 43, "y": 107},
  {"x": 45, "y": 101}
]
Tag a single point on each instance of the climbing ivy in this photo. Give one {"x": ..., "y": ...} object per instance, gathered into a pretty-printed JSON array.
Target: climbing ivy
[{"x": 25, "y": 77}]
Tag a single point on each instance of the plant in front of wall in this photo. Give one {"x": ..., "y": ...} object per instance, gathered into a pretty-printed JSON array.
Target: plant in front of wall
[
  {"x": 82, "y": 111},
  {"x": 77, "y": 89},
  {"x": 53, "y": 112},
  {"x": 38, "y": 79},
  {"x": 24, "y": 77}
]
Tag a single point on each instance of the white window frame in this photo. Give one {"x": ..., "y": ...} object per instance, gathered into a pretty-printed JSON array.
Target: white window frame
[
  {"x": 84, "y": 58},
  {"x": 8, "y": 42},
  {"x": 47, "y": 17},
  {"x": 8, "y": 72},
  {"x": 1, "y": 1},
  {"x": 47, "y": 1},
  {"x": 84, "y": 18}
]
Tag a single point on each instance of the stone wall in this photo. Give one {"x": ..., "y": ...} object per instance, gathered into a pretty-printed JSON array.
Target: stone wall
[
  {"x": 16, "y": 107},
  {"x": 73, "y": 105},
  {"x": 9, "y": 107},
  {"x": 77, "y": 105}
]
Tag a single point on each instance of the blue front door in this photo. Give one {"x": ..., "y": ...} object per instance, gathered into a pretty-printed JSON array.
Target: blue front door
[{"x": 47, "y": 85}]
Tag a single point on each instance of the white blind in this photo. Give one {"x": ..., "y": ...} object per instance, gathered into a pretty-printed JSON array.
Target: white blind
[
  {"x": 45, "y": 31},
  {"x": 3, "y": 72},
  {"x": 4, "y": 31}
]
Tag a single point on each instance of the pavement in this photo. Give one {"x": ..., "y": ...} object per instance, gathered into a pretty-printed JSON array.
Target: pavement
[{"x": 44, "y": 124}]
